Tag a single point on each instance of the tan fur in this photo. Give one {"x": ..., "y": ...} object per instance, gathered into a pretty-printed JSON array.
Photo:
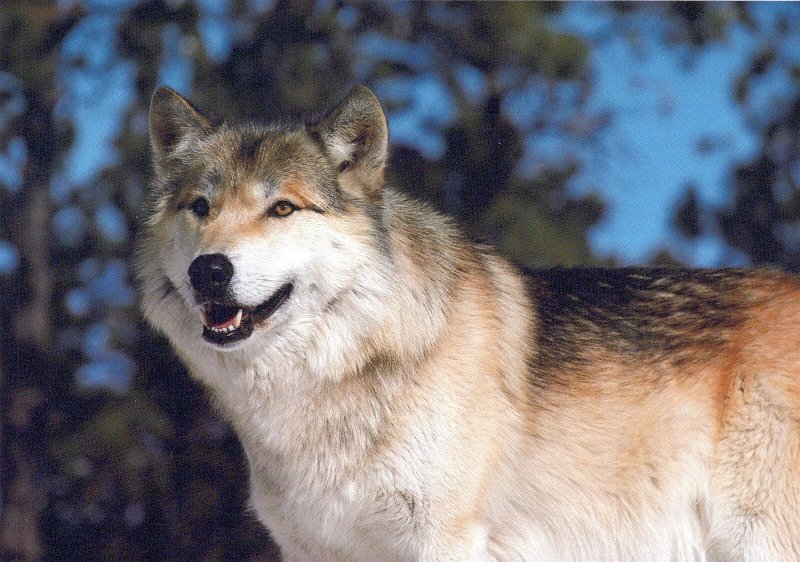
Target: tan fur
[{"x": 418, "y": 398}]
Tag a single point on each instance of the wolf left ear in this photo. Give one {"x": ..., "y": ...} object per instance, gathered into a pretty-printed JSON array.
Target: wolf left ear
[
  {"x": 174, "y": 123},
  {"x": 356, "y": 137}
]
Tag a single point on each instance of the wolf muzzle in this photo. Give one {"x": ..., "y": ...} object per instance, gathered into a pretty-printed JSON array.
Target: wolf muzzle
[{"x": 210, "y": 275}]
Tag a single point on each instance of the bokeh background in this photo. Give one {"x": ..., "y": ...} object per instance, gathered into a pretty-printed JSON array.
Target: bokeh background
[{"x": 562, "y": 133}]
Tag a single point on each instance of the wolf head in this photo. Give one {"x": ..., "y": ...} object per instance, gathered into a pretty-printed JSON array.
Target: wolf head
[{"x": 259, "y": 235}]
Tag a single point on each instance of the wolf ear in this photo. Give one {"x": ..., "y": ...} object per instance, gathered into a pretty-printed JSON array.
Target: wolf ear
[
  {"x": 356, "y": 137},
  {"x": 174, "y": 123}
]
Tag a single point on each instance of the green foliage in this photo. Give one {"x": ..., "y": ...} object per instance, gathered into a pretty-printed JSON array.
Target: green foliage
[
  {"x": 536, "y": 225},
  {"x": 115, "y": 428}
]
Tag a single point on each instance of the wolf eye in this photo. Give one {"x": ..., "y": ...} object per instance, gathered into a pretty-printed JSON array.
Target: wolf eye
[
  {"x": 282, "y": 209},
  {"x": 200, "y": 207}
]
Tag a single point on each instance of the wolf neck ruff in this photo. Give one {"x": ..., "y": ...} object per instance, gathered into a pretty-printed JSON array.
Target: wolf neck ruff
[{"x": 224, "y": 320}]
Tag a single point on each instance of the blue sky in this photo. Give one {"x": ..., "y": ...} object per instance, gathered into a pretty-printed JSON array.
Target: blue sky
[
  {"x": 664, "y": 101},
  {"x": 662, "y": 107}
]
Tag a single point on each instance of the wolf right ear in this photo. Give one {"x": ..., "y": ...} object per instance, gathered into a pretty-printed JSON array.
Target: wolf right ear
[
  {"x": 356, "y": 137},
  {"x": 174, "y": 123}
]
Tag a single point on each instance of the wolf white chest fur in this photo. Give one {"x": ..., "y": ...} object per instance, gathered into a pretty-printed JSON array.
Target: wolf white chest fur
[{"x": 403, "y": 394}]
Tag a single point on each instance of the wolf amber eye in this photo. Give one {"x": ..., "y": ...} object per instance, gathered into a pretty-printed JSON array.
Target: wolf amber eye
[
  {"x": 199, "y": 207},
  {"x": 282, "y": 209}
]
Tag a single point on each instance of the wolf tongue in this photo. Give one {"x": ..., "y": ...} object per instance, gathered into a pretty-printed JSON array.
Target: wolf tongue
[{"x": 221, "y": 316}]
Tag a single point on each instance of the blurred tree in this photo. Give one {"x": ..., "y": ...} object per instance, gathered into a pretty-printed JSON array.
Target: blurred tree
[
  {"x": 688, "y": 219},
  {"x": 32, "y": 138},
  {"x": 512, "y": 78},
  {"x": 762, "y": 219}
]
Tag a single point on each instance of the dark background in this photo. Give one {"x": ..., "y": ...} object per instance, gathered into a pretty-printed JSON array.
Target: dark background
[{"x": 108, "y": 450}]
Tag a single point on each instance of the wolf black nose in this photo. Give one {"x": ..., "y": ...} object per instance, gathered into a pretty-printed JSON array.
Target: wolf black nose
[{"x": 210, "y": 274}]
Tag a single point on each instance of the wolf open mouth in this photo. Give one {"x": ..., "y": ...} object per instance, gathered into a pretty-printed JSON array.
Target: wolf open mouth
[{"x": 225, "y": 323}]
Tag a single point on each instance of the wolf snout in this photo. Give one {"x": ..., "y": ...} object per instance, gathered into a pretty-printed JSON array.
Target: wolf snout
[{"x": 210, "y": 275}]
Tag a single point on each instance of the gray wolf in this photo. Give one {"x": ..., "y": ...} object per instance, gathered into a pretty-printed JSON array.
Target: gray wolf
[{"x": 404, "y": 394}]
